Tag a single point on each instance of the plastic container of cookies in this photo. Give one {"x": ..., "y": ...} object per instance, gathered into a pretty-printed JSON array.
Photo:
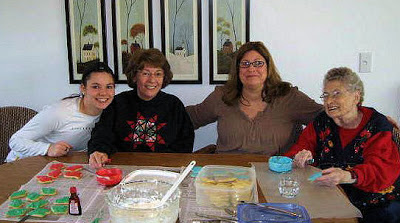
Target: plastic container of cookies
[{"x": 225, "y": 186}]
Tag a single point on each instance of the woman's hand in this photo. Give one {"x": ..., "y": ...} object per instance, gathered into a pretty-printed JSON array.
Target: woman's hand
[
  {"x": 58, "y": 149},
  {"x": 334, "y": 176},
  {"x": 301, "y": 157},
  {"x": 98, "y": 159}
]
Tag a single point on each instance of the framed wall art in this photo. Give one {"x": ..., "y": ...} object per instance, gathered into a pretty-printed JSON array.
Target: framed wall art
[
  {"x": 86, "y": 38},
  {"x": 132, "y": 30},
  {"x": 181, "y": 39},
  {"x": 229, "y": 29}
]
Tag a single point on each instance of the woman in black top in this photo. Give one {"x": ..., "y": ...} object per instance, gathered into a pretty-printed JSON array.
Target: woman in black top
[{"x": 144, "y": 119}]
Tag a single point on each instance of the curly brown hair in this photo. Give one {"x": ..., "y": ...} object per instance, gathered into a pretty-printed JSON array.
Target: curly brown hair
[
  {"x": 273, "y": 88},
  {"x": 150, "y": 57}
]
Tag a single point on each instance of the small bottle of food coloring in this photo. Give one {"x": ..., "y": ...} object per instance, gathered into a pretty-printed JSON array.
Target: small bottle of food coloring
[{"x": 74, "y": 202}]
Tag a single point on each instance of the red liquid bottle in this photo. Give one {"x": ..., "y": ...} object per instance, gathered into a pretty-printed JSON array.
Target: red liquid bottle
[{"x": 74, "y": 202}]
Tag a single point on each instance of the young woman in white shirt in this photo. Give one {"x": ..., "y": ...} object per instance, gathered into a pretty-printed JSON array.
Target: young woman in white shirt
[{"x": 66, "y": 125}]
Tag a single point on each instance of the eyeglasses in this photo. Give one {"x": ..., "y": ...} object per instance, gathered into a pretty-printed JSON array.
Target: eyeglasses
[
  {"x": 157, "y": 74},
  {"x": 246, "y": 64},
  {"x": 335, "y": 95}
]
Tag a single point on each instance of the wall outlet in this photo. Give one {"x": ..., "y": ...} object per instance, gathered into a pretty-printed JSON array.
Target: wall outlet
[{"x": 365, "y": 62}]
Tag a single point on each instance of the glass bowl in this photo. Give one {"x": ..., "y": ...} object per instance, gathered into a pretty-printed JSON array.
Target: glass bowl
[{"x": 137, "y": 201}]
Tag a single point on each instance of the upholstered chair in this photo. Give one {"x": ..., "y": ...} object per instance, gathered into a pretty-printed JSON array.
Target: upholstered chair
[{"x": 12, "y": 118}]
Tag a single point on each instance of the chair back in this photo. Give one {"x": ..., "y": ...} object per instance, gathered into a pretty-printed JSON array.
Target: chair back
[
  {"x": 12, "y": 118},
  {"x": 396, "y": 137}
]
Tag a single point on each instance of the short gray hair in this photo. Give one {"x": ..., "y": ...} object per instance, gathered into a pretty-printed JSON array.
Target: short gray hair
[{"x": 348, "y": 78}]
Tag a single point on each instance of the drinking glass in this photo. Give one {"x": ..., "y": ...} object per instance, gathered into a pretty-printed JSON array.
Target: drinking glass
[{"x": 288, "y": 187}]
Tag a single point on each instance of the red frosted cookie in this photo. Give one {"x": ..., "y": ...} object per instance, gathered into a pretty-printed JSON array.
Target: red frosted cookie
[
  {"x": 74, "y": 168},
  {"x": 57, "y": 166},
  {"x": 44, "y": 179},
  {"x": 73, "y": 174},
  {"x": 54, "y": 173}
]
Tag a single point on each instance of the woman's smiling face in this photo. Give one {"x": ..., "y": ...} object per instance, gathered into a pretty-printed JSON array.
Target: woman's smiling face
[
  {"x": 99, "y": 91},
  {"x": 338, "y": 100},
  {"x": 149, "y": 82},
  {"x": 255, "y": 75}
]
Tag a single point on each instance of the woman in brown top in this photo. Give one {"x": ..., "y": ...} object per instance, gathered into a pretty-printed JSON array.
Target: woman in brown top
[{"x": 256, "y": 111}]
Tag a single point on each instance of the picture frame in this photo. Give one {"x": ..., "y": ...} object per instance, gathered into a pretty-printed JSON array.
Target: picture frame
[
  {"x": 132, "y": 30},
  {"x": 86, "y": 35},
  {"x": 229, "y": 29},
  {"x": 181, "y": 39}
]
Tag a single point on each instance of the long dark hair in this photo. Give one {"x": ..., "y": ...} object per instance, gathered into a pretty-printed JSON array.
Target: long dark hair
[
  {"x": 87, "y": 73},
  {"x": 273, "y": 88}
]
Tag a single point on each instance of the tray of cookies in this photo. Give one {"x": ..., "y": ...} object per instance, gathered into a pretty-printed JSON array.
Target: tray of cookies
[{"x": 225, "y": 186}]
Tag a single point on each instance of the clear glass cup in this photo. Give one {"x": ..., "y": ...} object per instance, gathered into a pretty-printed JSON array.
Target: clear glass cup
[{"x": 288, "y": 187}]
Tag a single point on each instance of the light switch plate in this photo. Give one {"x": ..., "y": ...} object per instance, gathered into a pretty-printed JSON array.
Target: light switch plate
[{"x": 365, "y": 62}]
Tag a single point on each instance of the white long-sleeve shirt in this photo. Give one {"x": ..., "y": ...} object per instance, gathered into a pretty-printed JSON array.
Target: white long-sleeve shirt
[{"x": 58, "y": 122}]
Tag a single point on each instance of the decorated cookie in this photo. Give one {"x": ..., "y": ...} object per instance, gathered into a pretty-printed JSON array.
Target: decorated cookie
[
  {"x": 33, "y": 196},
  {"x": 54, "y": 174},
  {"x": 18, "y": 194},
  {"x": 62, "y": 201},
  {"x": 48, "y": 191},
  {"x": 57, "y": 166},
  {"x": 17, "y": 203},
  {"x": 37, "y": 204},
  {"x": 44, "y": 179},
  {"x": 74, "y": 168},
  {"x": 40, "y": 212},
  {"x": 59, "y": 209},
  {"x": 16, "y": 212},
  {"x": 73, "y": 174}
]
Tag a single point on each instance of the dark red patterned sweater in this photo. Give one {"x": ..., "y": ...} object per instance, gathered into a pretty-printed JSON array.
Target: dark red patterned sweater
[{"x": 368, "y": 150}]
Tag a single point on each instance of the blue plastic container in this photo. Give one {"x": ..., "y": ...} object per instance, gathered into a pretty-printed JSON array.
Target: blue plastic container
[
  {"x": 250, "y": 213},
  {"x": 280, "y": 164}
]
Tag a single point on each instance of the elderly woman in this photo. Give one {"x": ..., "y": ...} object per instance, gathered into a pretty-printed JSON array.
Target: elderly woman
[
  {"x": 144, "y": 119},
  {"x": 354, "y": 147},
  {"x": 256, "y": 111}
]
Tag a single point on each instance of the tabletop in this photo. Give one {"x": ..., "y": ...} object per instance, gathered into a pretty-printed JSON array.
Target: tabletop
[{"x": 17, "y": 173}]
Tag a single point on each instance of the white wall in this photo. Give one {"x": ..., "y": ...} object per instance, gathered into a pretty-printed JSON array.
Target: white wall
[{"x": 306, "y": 38}]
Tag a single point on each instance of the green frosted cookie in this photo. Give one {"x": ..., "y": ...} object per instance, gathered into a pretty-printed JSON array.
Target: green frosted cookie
[
  {"x": 37, "y": 204},
  {"x": 17, "y": 203},
  {"x": 18, "y": 194},
  {"x": 40, "y": 212},
  {"x": 59, "y": 209},
  {"x": 16, "y": 212},
  {"x": 33, "y": 196},
  {"x": 48, "y": 191},
  {"x": 63, "y": 200}
]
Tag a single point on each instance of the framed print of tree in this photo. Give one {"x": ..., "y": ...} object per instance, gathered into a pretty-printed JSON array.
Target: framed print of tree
[
  {"x": 229, "y": 29},
  {"x": 86, "y": 38},
  {"x": 132, "y": 30},
  {"x": 181, "y": 39}
]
